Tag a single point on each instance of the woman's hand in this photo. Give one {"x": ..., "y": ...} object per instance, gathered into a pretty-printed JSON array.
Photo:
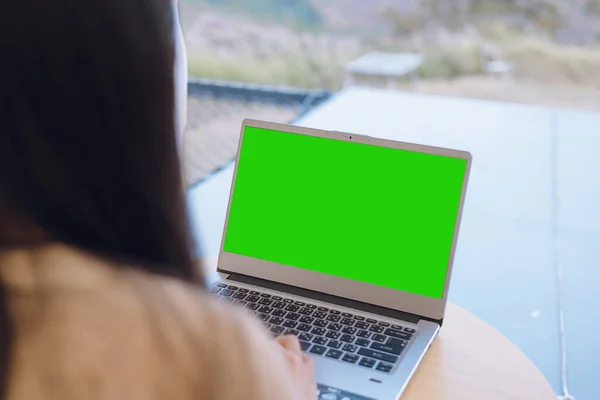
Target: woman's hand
[{"x": 302, "y": 366}]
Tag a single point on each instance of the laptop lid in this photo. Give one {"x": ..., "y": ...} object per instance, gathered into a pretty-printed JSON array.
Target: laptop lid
[{"x": 358, "y": 217}]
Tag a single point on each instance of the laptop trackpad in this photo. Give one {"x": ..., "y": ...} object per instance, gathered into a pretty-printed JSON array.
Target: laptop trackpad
[{"x": 325, "y": 392}]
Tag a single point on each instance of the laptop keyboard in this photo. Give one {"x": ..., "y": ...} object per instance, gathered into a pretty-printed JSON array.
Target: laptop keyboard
[{"x": 325, "y": 332}]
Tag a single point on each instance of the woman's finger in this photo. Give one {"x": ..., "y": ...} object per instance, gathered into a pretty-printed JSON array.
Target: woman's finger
[
  {"x": 290, "y": 343},
  {"x": 309, "y": 361}
]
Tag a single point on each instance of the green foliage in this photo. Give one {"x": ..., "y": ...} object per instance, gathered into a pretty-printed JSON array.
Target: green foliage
[
  {"x": 544, "y": 61},
  {"x": 451, "y": 62},
  {"x": 493, "y": 7},
  {"x": 281, "y": 69},
  {"x": 403, "y": 24},
  {"x": 300, "y": 12},
  {"x": 593, "y": 7}
]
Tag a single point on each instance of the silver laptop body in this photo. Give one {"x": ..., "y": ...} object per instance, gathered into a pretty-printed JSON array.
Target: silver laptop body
[{"x": 367, "y": 335}]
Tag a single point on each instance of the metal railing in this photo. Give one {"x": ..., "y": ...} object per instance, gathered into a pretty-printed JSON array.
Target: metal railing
[
  {"x": 240, "y": 96},
  {"x": 226, "y": 90}
]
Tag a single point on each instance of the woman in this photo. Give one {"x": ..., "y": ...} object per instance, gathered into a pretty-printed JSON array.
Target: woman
[{"x": 99, "y": 294}]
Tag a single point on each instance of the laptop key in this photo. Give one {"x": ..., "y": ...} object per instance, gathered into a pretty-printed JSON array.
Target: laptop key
[
  {"x": 347, "y": 338},
  {"x": 266, "y": 295},
  {"x": 307, "y": 337},
  {"x": 362, "y": 334},
  {"x": 276, "y": 321},
  {"x": 321, "y": 323},
  {"x": 383, "y": 323},
  {"x": 306, "y": 320},
  {"x": 276, "y": 298},
  {"x": 299, "y": 303},
  {"x": 288, "y": 300},
  {"x": 254, "y": 293},
  {"x": 367, "y": 362},
  {"x": 239, "y": 295},
  {"x": 409, "y": 330},
  {"x": 243, "y": 290},
  {"x": 349, "y": 330},
  {"x": 292, "y": 308},
  {"x": 397, "y": 342},
  {"x": 323, "y": 309},
  {"x": 397, "y": 327},
  {"x": 292, "y": 332},
  {"x": 319, "y": 314},
  {"x": 384, "y": 367},
  {"x": 316, "y": 349},
  {"x": 350, "y": 348},
  {"x": 252, "y": 298},
  {"x": 371, "y": 321},
  {"x": 347, "y": 315},
  {"x": 334, "y": 327},
  {"x": 278, "y": 304},
  {"x": 304, "y": 327},
  {"x": 215, "y": 290},
  {"x": 333, "y": 318},
  {"x": 320, "y": 340},
  {"x": 264, "y": 316},
  {"x": 221, "y": 285},
  {"x": 362, "y": 325},
  {"x": 334, "y": 312},
  {"x": 231, "y": 287},
  {"x": 377, "y": 355},
  {"x": 266, "y": 302},
  {"x": 362, "y": 342},
  {"x": 350, "y": 358},
  {"x": 387, "y": 348},
  {"x": 279, "y": 313},
  {"x": 347, "y": 321},
  {"x": 252, "y": 306},
  {"x": 311, "y": 306},
  {"x": 377, "y": 328},
  {"x": 278, "y": 330},
  {"x": 304, "y": 345},
  {"x": 305, "y": 311},
  {"x": 359, "y": 318},
  {"x": 290, "y": 324},
  {"x": 292, "y": 316},
  {"x": 334, "y": 344},
  {"x": 226, "y": 292},
  {"x": 397, "y": 334},
  {"x": 332, "y": 334},
  {"x": 332, "y": 353},
  {"x": 318, "y": 331},
  {"x": 265, "y": 309},
  {"x": 379, "y": 338}
]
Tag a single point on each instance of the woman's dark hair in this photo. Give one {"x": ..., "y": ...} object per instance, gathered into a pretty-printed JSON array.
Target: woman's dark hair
[{"x": 88, "y": 153}]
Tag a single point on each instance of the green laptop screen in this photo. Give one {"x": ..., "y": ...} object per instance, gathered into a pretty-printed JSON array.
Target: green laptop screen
[{"x": 378, "y": 215}]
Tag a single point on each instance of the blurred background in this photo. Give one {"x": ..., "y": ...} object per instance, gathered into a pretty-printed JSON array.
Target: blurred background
[
  {"x": 552, "y": 45},
  {"x": 538, "y": 61},
  {"x": 541, "y": 52}
]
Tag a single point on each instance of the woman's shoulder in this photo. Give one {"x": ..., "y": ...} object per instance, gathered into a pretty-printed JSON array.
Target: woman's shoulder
[{"x": 101, "y": 323}]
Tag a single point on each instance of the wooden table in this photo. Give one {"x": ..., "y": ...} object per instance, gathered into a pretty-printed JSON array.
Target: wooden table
[{"x": 469, "y": 360}]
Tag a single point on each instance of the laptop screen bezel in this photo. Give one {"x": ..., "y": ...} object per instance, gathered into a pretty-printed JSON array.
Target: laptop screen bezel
[{"x": 346, "y": 288}]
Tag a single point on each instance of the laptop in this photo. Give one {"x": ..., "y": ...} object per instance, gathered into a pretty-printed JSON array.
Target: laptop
[{"x": 347, "y": 242}]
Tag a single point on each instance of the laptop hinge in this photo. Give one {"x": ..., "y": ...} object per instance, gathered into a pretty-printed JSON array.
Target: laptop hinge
[{"x": 327, "y": 298}]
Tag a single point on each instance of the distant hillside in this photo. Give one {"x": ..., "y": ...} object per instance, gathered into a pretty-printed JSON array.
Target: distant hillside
[
  {"x": 362, "y": 14},
  {"x": 300, "y": 12},
  {"x": 573, "y": 21}
]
